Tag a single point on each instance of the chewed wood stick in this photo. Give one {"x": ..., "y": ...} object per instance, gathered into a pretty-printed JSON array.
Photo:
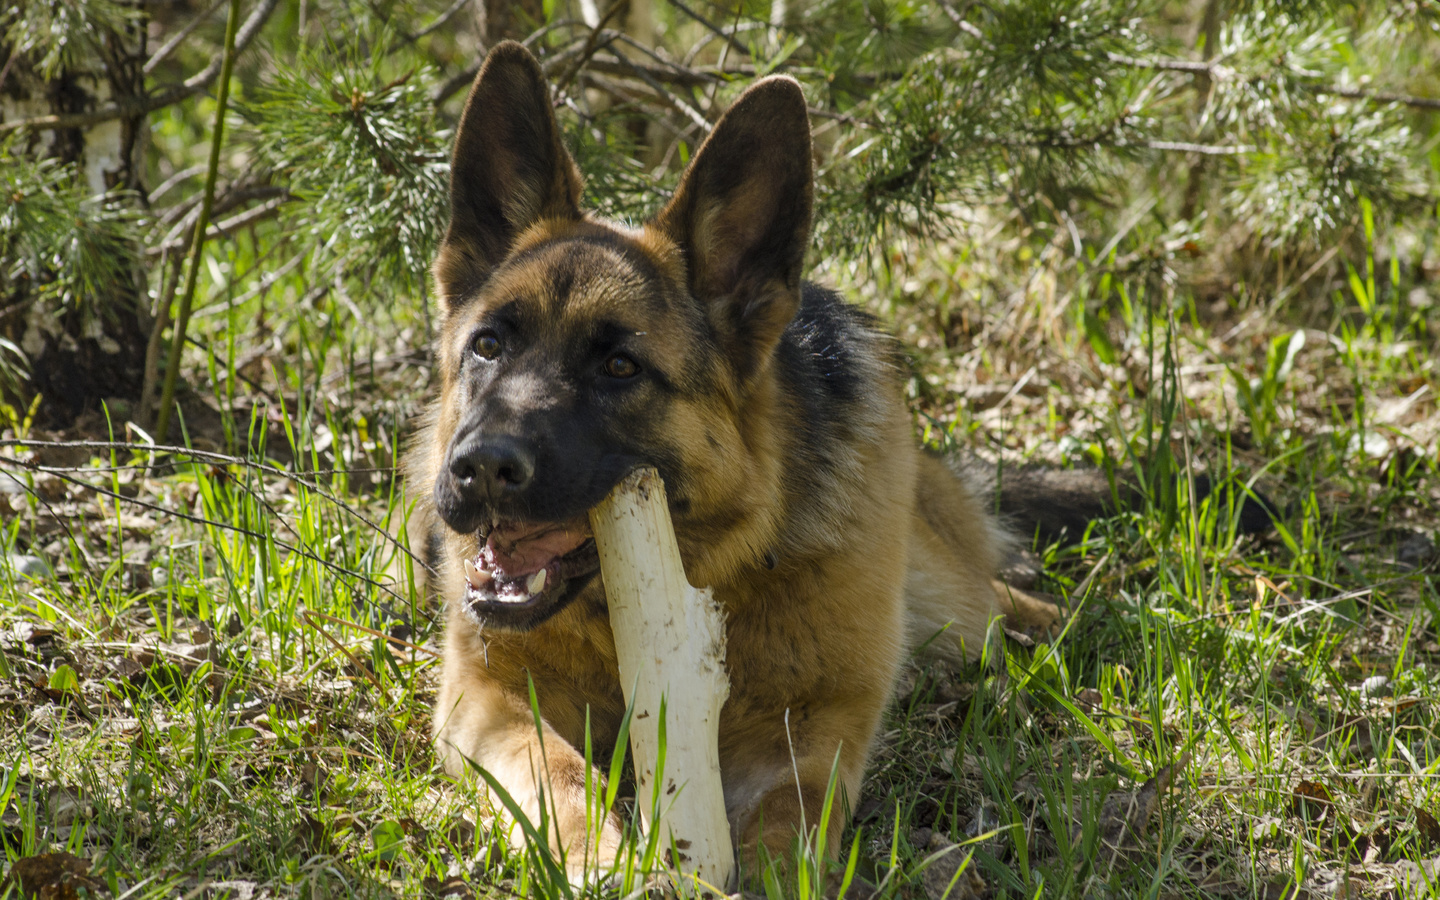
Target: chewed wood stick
[{"x": 670, "y": 643}]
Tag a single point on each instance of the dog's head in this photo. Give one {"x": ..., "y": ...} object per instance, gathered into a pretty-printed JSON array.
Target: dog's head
[{"x": 574, "y": 349}]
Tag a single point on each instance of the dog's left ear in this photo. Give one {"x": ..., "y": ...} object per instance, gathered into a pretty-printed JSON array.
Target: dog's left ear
[
  {"x": 742, "y": 217},
  {"x": 510, "y": 169}
]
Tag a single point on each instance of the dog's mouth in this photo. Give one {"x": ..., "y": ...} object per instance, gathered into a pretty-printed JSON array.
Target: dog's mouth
[{"x": 525, "y": 567}]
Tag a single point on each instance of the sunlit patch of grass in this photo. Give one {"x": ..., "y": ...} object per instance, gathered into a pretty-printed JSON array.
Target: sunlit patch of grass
[{"x": 215, "y": 667}]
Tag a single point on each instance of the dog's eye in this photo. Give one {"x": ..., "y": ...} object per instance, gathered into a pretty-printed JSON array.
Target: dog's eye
[
  {"x": 618, "y": 365},
  {"x": 486, "y": 345}
]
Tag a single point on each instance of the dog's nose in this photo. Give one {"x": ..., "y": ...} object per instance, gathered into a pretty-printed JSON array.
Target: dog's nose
[{"x": 489, "y": 468}]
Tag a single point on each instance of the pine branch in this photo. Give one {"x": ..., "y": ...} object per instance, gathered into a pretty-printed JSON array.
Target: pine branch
[
  {"x": 134, "y": 107},
  {"x": 1215, "y": 67}
]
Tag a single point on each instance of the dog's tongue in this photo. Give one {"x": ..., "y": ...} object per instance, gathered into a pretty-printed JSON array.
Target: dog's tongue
[{"x": 517, "y": 550}]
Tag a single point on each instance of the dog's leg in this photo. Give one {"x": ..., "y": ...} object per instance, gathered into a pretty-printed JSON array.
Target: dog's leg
[
  {"x": 954, "y": 548},
  {"x": 949, "y": 602},
  {"x": 477, "y": 723},
  {"x": 768, "y": 807}
]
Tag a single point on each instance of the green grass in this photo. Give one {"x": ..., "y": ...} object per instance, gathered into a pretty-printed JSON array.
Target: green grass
[{"x": 210, "y": 677}]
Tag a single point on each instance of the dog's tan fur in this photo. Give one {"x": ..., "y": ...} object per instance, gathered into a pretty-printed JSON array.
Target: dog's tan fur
[{"x": 834, "y": 546}]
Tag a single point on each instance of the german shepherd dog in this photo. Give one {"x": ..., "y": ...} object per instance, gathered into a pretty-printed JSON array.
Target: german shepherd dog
[{"x": 574, "y": 349}]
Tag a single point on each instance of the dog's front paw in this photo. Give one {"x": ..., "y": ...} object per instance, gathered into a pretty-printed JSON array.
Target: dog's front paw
[
  {"x": 591, "y": 860},
  {"x": 1028, "y": 613}
]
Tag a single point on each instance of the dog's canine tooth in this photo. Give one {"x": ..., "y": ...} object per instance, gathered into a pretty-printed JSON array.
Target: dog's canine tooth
[
  {"x": 536, "y": 584},
  {"x": 475, "y": 576}
]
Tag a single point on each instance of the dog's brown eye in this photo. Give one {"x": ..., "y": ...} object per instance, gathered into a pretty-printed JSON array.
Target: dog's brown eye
[
  {"x": 621, "y": 366},
  {"x": 486, "y": 345}
]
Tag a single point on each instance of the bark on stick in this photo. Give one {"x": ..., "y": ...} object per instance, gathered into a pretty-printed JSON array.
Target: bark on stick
[{"x": 670, "y": 642}]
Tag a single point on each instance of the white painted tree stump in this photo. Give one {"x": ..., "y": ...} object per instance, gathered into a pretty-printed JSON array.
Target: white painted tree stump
[{"x": 670, "y": 644}]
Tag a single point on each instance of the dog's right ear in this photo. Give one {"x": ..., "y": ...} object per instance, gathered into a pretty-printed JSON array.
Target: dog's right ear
[{"x": 509, "y": 170}]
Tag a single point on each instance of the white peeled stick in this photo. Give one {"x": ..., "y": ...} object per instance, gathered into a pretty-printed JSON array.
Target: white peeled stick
[{"x": 670, "y": 642}]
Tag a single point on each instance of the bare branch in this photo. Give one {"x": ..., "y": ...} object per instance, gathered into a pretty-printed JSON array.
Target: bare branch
[
  {"x": 592, "y": 44},
  {"x": 1206, "y": 149},
  {"x": 231, "y": 225},
  {"x": 677, "y": 76},
  {"x": 675, "y": 102},
  {"x": 1355, "y": 93},
  {"x": 1173, "y": 65},
  {"x": 716, "y": 29},
  {"x": 173, "y": 180},
  {"x": 436, "y": 25},
  {"x": 169, "y": 47},
  {"x": 456, "y": 83}
]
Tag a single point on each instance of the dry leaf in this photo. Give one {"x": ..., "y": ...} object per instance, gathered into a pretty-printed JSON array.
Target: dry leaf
[
  {"x": 1306, "y": 721},
  {"x": 1311, "y": 801},
  {"x": 311, "y": 834},
  {"x": 1020, "y": 638},
  {"x": 1265, "y": 828},
  {"x": 1428, "y": 828},
  {"x": 454, "y": 886},
  {"x": 53, "y": 876}
]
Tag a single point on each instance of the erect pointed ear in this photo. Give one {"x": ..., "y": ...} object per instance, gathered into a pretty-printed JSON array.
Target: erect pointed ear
[
  {"x": 742, "y": 217},
  {"x": 510, "y": 169}
]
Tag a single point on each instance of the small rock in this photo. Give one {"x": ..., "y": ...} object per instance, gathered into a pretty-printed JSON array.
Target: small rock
[
  {"x": 986, "y": 818},
  {"x": 10, "y": 485},
  {"x": 453, "y": 886},
  {"x": 32, "y": 633},
  {"x": 31, "y": 567},
  {"x": 951, "y": 874},
  {"x": 1375, "y": 686},
  {"x": 1021, "y": 570},
  {"x": 1415, "y": 550}
]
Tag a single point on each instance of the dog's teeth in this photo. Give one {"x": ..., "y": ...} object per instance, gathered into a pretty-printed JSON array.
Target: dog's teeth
[
  {"x": 536, "y": 584},
  {"x": 477, "y": 578}
]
